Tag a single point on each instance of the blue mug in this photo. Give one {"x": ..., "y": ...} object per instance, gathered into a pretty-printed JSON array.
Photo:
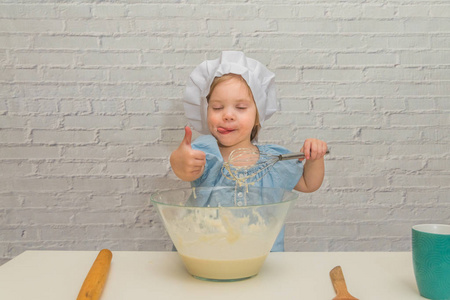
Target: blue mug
[{"x": 431, "y": 260}]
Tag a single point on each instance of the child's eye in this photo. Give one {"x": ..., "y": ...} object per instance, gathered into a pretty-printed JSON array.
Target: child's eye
[
  {"x": 217, "y": 108},
  {"x": 241, "y": 107}
]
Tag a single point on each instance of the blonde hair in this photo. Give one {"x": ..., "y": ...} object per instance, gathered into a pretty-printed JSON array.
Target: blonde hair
[{"x": 226, "y": 77}]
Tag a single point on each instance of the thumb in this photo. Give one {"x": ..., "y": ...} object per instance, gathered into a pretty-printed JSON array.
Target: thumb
[{"x": 187, "y": 136}]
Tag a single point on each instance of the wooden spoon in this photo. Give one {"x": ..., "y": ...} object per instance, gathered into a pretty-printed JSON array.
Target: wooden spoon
[{"x": 337, "y": 278}]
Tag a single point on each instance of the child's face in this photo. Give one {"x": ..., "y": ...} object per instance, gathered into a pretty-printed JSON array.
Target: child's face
[{"x": 231, "y": 113}]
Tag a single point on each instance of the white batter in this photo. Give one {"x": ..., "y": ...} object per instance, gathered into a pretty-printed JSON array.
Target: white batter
[{"x": 223, "y": 269}]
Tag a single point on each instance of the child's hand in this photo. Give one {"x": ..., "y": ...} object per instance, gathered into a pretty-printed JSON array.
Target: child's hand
[
  {"x": 314, "y": 149},
  {"x": 314, "y": 168},
  {"x": 187, "y": 164}
]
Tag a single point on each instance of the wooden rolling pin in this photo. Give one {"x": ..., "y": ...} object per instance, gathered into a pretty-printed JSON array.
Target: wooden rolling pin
[{"x": 94, "y": 282}]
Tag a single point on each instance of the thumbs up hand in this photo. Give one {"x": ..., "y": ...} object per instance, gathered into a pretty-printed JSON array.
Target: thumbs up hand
[{"x": 188, "y": 164}]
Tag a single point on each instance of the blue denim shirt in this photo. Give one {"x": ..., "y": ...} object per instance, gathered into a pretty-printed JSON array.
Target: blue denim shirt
[{"x": 284, "y": 174}]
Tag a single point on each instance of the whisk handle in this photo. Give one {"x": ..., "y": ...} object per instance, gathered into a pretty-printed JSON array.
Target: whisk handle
[
  {"x": 291, "y": 156},
  {"x": 294, "y": 155}
]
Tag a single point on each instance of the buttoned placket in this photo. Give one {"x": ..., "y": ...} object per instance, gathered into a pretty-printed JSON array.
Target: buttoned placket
[{"x": 240, "y": 190}]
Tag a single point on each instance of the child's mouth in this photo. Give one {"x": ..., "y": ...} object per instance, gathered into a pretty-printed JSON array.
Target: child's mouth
[{"x": 222, "y": 130}]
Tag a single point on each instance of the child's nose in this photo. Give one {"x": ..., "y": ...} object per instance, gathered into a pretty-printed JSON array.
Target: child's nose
[{"x": 228, "y": 115}]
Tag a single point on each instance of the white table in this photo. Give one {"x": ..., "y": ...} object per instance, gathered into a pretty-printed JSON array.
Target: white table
[{"x": 58, "y": 275}]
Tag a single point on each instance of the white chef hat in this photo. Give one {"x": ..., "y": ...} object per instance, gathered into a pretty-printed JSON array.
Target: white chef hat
[{"x": 260, "y": 80}]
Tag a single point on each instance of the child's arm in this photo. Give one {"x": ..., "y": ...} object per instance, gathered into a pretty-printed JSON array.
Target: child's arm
[
  {"x": 188, "y": 164},
  {"x": 314, "y": 167}
]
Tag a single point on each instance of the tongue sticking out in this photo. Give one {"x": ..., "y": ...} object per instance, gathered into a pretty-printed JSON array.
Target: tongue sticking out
[{"x": 224, "y": 130}]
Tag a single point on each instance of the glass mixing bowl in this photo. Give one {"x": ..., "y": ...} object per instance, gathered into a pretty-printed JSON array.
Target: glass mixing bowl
[{"x": 223, "y": 234}]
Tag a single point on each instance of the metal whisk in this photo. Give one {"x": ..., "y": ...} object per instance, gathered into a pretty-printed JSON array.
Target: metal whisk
[{"x": 246, "y": 159}]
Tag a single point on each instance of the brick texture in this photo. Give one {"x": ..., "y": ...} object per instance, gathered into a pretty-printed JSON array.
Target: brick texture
[{"x": 90, "y": 108}]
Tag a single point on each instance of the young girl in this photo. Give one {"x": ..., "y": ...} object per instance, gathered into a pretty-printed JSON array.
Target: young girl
[{"x": 228, "y": 100}]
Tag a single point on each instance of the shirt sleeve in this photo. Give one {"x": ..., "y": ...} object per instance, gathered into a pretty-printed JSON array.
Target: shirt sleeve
[
  {"x": 207, "y": 144},
  {"x": 284, "y": 174}
]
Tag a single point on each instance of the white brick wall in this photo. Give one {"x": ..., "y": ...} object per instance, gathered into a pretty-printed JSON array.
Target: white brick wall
[{"x": 90, "y": 108}]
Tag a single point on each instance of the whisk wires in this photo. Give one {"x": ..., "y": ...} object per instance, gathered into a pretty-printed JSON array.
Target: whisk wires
[{"x": 246, "y": 166}]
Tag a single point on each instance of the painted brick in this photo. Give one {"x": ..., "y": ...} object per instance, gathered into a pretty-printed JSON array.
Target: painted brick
[
  {"x": 38, "y": 216},
  {"x": 429, "y": 58},
  {"x": 74, "y": 106},
  {"x": 366, "y": 59},
  {"x": 128, "y": 136},
  {"x": 220, "y": 42},
  {"x": 95, "y": 152},
  {"x": 107, "y": 106},
  {"x": 62, "y": 137},
  {"x": 140, "y": 75},
  {"x": 293, "y": 105},
  {"x": 438, "y": 42},
  {"x": 379, "y": 12},
  {"x": 245, "y": 26},
  {"x": 163, "y": 121},
  {"x": 14, "y": 41},
  {"x": 109, "y": 218},
  {"x": 137, "y": 168},
  {"x": 415, "y": 25},
  {"x": 169, "y": 105},
  {"x": 348, "y": 11},
  {"x": 386, "y": 74},
  {"x": 312, "y": 89},
  {"x": 3, "y": 106},
  {"x": 15, "y": 169},
  {"x": 134, "y": 43},
  {"x": 409, "y": 42},
  {"x": 153, "y": 151},
  {"x": 438, "y": 164},
  {"x": 12, "y": 122},
  {"x": 152, "y": 184},
  {"x": 8, "y": 201},
  {"x": 63, "y": 168},
  {"x": 139, "y": 106},
  {"x": 109, "y": 59},
  {"x": 389, "y": 104},
  {"x": 143, "y": 10},
  {"x": 27, "y": 75},
  {"x": 359, "y": 104},
  {"x": 72, "y": 75},
  {"x": 91, "y": 108},
  {"x": 66, "y": 42},
  {"x": 332, "y": 42},
  {"x": 103, "y": 185},
  {"x": 413, "y": 10},
  {"x": 35, "y": 92},
  {"x": 378, "y": 26},
  {"x": 296, "y": 58},
  {"x": 180, "y": 10},
  {"x": 332, "y": 75},
  {"x": 420, "y": 180},
  {"x": 93, "y": 122},
  {"x": 13, "y": 136},
  {"x": 292, "y": 119},
  {"x": 351, "y": 120},
  {"x": 31, "y": 26},
  {"x": 322, "y": 26},
  {"x": 18, "y": 234},
  {"x": 29, "y": 152},
  {"x": 416, "y": 149},
  {"x": 97, "y": 26},
  {"x": 80, "y": 10},
  {"x": 36, "y": 184},
  {"x": 310, "y": 11},
  {"x": 26, "y": 11},
  {"x": 109, "y": 11},
  {"x": 423, "y": 119}
]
